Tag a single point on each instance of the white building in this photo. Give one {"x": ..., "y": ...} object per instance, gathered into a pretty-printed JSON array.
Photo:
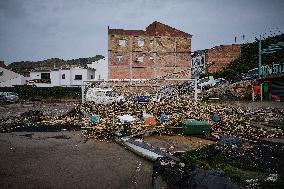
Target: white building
[
  {"x": 9, "y": 78},
  {"x": 62, "y": 77},
  {"x": 101, "y": 67}
]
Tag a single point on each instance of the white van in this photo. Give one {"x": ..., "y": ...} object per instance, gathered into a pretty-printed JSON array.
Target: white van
[{"x": 103, "y": 95}]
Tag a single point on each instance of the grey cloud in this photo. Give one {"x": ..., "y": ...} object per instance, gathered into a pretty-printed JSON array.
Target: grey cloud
[{"x": 32, "y": 29}]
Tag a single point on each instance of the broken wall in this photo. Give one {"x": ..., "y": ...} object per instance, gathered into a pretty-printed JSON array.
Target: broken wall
[
  {"x": 221, "y": 56},
  {"x": 147, "y": 57}
]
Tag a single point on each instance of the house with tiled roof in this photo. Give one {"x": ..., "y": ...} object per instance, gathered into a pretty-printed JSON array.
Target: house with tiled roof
[{"x": 157, "y": 51}]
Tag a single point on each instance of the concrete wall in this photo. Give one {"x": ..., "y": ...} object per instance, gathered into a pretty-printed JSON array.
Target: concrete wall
[
  {"x": 9, "y": 78},
  {"x": 57, "y": 78},
  {"x": 12, "y": 82},
  {"x": 37, "y": 75},
  {"x": 101, "y": 67}
]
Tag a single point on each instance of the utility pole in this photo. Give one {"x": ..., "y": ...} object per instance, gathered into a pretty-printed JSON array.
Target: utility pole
[{"x": 259, "y": 57}]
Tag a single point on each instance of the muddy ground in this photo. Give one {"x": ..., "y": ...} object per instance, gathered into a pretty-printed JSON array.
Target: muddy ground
[{"x": 66, "y": 160}]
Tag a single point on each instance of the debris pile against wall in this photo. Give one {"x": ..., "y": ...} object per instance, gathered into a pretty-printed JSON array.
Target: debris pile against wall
[
  {"x": 234, "y": 121},
  {"x": 146, "y": 117},
  {"x": 240, "y": 90}
]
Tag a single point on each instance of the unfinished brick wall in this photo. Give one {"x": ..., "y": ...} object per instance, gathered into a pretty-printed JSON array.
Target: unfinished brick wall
[
  {"x": 221, "y": 56},
  {"x": 158, "y": 51}
]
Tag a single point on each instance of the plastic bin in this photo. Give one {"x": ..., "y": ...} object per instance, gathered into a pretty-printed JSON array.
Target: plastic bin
[{"x": 195, "y": 127}]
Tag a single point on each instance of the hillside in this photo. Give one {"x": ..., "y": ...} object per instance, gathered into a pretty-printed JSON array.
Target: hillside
[
  {"x": 249, "y": 57},
  {"x": 24, "y": 67}
]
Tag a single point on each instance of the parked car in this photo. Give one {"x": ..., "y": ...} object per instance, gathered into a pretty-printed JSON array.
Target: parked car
[{"x": 9, "y": 96}]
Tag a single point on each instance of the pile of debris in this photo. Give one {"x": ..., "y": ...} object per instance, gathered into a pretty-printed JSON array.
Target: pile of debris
[
  {"x": 36, "y": 121},
  {"x": 240, "y": 90},
  {"x": 147, "y": 117},
  {"x": 130, "y": 118},
  {"x": 231, "y": 160}
]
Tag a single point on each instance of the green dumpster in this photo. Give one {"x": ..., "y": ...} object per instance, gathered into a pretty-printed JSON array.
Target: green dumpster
[{"x": 195, "y": 127}]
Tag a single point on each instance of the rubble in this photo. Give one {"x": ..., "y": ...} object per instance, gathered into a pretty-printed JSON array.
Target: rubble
[
  {"x": 255, "y": 163},
  {"x": 101, "y": 121},
  {"x": 232, "y": 121},
  {"x": 178, "y": 175},
  {"x": 240, "y": 90}
]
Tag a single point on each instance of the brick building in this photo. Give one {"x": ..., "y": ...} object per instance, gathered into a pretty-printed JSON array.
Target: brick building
[
  {"x": 158, "y": 51},
  {"x": 221, "y": 56}
]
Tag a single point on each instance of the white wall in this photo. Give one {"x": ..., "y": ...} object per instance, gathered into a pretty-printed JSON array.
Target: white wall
[
  {"x": 15, "y": 81},
  {"x": 37, "y": 75},
  {"x": 56, "y": 76},
  {"x": 6, "y": 74},
  {"x": 9, "y": 78},
  {"x": 101, "y": 67},
  {"x": 78, "y": 71}
]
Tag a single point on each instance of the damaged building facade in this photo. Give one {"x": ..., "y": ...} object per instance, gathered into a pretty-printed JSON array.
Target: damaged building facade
[
  {"x": 159, "y": 51},
  {"x": 220, "y": 57},
  {"x": 214, "y": 59}
]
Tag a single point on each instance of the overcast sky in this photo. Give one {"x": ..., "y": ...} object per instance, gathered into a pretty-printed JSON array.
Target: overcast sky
[{"x": 41, "y": 29}]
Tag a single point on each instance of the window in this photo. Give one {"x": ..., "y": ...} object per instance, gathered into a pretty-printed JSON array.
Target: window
[
  {"x": 92, "y": 77},
  {"x": 78, "y": 77},
  {"x": 119, "y": 57},
  {"x": 140, "y": 58},
  {"x": 45, "y": 75},
  {"x": 140, "y": 42},
  {"x": 63, "y": 76},
  {"x": 121, "y": 42},
  {"x": 1, "y": 73}
]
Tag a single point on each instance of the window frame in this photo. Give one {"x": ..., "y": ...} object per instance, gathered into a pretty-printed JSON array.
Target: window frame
[{"x": 79, "y": 77}]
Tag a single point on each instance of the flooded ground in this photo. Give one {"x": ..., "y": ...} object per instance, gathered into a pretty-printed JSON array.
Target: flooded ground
[
  {"x": 65, "y": 160},
  {"x": 177, "y": 143}
]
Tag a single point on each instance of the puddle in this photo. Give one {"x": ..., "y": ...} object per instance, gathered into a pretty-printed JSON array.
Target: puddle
[
  {"x": 29, "y": 135},
  {"x": 61, "y": 137}
]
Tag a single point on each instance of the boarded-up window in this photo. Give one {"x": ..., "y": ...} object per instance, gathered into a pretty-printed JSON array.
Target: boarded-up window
[
  {"x": 140, "y": 42},
  {"x": 121, "y": 42},
  {"x": 78, "y": 77}
]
